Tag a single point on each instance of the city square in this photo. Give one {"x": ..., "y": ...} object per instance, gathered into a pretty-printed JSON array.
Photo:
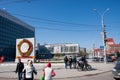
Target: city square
[
  {"x": 59, "y": 40},
  {"x": 8, "y": 71}
]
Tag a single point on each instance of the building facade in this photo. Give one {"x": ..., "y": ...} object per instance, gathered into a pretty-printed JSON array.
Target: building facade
[
  {"x": 67, "y": 48},
  {"x": 11, "y": 29},
  {"x": 112, "y": 49}
]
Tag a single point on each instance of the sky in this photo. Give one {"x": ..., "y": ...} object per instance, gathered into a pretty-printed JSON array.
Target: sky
[{"x": 68, "y": 21}]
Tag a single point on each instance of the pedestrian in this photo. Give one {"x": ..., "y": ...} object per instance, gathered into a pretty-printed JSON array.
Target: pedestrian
[
  {"x": 48, "y": 72},
  {"x": 29, "y": 70},
  {"x": 70, "y": 62},
  {"x": 83, "y": 59},
  {"x": 74, "y": 62},
  {"x": 66, "y": 61},
  {"x": 19, "y": 69}
]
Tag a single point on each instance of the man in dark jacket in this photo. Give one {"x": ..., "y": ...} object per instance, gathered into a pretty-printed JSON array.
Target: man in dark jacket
[
  {"x": 74, "y": 62},
  {"x": 70, "y": 62},
  {"x": 66, "y": 61},
  {"x": 84, "y": 62},
  {"x": 19, "y": 69}
]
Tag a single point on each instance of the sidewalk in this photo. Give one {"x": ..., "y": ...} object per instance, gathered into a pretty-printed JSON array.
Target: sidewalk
[{"x": 6, "y": 70}]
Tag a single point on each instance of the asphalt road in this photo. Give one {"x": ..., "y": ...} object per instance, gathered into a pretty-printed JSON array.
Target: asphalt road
[{"x": 103, "y": 76}]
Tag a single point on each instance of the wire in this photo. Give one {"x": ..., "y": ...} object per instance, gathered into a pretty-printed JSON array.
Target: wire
[
  {"x": 54, "y": 21},
  {"x": 46, "y": 23},
  {"x": 14, "y": 1},
  {"x": 46, "y": 28},
  {"x": 60, "y": 22}
]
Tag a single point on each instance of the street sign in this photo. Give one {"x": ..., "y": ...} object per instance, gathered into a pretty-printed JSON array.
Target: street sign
[{"x": 102, "y": 47}]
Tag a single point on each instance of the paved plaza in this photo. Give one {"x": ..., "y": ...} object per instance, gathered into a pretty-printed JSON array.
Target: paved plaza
[{"x": 7, "y": 70}]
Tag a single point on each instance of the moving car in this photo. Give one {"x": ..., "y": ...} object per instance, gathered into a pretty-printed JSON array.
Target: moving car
[{"x": 116, "y": 71}]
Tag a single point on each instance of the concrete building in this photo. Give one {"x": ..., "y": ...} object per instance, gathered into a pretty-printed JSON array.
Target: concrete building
[
  {"x": 66, "y": 48},
  {"x": 11, "y": 29}
]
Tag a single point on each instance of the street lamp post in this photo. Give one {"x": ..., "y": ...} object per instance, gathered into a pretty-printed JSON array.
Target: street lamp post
[{"x": 103, "y": 32}]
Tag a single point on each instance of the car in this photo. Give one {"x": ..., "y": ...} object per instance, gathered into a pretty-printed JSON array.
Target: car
[
  {"x": 98, "y": 59},
  {"x": 116, "y": 71},
  {"x": 95, "y": 59}
]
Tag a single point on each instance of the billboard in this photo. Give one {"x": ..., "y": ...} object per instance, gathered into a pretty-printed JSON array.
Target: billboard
[
  {"x": 57, "y": 49},
  {"x": 110, "y": 41},
  {"x": 25, "y": 49}
]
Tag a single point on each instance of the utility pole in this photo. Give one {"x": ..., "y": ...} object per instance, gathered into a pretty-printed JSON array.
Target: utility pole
[{"x": 103, "y": 32}]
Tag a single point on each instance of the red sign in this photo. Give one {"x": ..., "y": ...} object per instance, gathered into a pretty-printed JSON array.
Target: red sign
[
  {"x": 110, "y": 41},
  {"x": 2, "y": 58}
]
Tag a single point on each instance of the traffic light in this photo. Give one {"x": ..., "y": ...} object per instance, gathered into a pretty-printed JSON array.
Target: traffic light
[{"x": 105, "y": 42}]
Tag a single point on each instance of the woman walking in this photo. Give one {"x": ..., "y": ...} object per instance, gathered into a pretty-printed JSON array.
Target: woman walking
[
  {"x": 48, "y": 72},
  {"x": 29, "y": 70}
]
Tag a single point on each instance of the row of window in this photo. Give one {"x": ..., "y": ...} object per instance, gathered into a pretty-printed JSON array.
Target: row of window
[
  {"x": 63, "y": 49},
  {"x": 9, "y": 32}
]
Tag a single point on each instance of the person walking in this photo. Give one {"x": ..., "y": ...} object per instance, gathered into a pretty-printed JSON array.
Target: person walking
[
  {"x": 74, "y": 62},
  {"x": 66, "y": 61},
  {"x": 29, "y": 70},
  {"x": 19, "y": 69},
  {"x": 84, "y": 62},
  {"x": 70, "y": 62},
  {"x": 48, "y": 72}
]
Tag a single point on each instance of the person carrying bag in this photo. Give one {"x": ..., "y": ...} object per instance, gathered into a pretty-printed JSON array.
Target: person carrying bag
[{"x": 48, "y": 72}]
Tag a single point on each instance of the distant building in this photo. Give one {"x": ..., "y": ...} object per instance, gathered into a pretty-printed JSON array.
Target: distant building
[
  {"x": 111, "y": 49},
  {"x": 66, "y": 48},
  {"x": 98, "y": 52},
  {"x": 58, "y": 51},
  {"x": 11, "y": 29}
]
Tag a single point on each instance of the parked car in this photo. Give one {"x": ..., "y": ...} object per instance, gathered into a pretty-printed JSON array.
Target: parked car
[
  {"x": 98, "y": 59},
  {"x": 95, "y": 59},
  {"x": 116, "y": 71}
]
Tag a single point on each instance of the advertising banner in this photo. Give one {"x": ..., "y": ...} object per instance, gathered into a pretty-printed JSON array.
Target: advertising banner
[
  {"x": 57, "y": 49},
  {"x": 25, "y": 49},
  {"x": 110, "y": 41}
]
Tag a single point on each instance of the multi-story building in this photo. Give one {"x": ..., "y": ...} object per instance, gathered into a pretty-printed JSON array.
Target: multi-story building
[
  {"x": 56, "y": 51},
  {"x": 67, "y": 48},
  {"x": 11, "y": 29},
  {"x": 112, "y": 49}
]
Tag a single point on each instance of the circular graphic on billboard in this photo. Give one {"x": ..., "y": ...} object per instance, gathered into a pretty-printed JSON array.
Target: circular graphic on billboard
[{"x": 25, "y": 48}]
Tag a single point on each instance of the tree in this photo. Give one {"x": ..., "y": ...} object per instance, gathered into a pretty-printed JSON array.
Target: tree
[{"x": 83, "y": 53}]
